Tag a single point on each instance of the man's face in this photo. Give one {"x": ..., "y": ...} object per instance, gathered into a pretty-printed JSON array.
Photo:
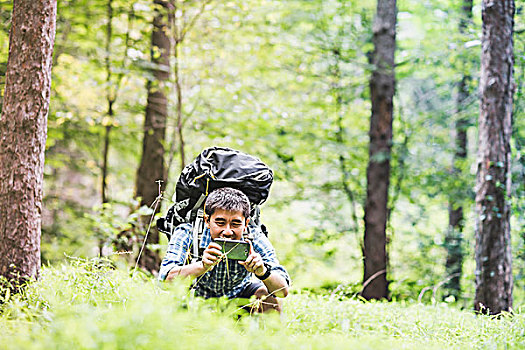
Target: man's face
[{"x": 227, "y": 224}]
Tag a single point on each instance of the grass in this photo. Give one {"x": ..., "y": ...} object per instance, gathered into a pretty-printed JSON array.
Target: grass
[{"x": 89, "y": 305}]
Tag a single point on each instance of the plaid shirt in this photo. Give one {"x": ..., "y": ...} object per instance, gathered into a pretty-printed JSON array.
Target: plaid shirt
[{"x": 222, "y": 280}]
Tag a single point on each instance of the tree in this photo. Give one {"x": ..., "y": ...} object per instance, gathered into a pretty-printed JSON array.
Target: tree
[
  {"x": 453, "y": 238},
  {"x": 110, "y": 96},
  {"x": 151, "y": 167},
  {"x": 382, "y": 88},
  {"x": 180, "y": 28},
  {"x": 78, "y": 118},
  {"x": 23, "y": 129},
  {"x": 173, "y": 21},
  {"x": 113, "y": 85},
  {"x": 493, "y": 181}
]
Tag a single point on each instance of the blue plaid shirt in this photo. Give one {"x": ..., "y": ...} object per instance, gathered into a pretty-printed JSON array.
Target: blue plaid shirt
[{"x": 228, "y": 277}]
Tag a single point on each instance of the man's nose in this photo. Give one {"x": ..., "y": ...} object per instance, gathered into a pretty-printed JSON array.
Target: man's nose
[{"x": 228, "y": 231}]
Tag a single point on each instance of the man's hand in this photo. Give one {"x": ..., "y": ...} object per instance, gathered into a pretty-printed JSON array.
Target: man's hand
[
  {"x": 211, "y": 256},
  {"x": 254, "y": 263}
]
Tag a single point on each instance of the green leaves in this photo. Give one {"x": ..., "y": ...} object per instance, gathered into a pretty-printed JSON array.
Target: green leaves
[
  {"x": 286, "y": 81},
  {"x": 93, "y": 304}
]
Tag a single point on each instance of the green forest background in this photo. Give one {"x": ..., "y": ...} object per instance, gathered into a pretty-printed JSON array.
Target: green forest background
[{"x": 286, "y": 81}]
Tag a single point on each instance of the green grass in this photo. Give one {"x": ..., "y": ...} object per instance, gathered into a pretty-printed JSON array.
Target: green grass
[{"x": 86, "y": 305}]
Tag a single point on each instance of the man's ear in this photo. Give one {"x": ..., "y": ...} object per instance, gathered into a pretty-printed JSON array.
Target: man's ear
[{"x": 247, "y": 221}]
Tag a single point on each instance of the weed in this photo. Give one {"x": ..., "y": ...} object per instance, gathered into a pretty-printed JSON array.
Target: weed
[{"x": 88, "y": 304}]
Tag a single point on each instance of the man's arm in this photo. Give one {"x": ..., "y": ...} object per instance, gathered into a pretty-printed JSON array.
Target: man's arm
[
  {"x": 210, "y": 257},
  {"x": 178, "y": 250},
  {"x": 195, "y": 270},
  {"x": 275, "y": 283},
  {"x": 274, "y": 280}
]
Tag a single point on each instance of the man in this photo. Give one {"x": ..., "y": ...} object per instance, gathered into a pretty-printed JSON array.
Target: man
[{"x": 227, "y": 214}]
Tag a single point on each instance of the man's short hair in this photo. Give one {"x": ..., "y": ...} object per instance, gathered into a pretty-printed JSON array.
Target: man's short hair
[{"x": 227, "y": 198}]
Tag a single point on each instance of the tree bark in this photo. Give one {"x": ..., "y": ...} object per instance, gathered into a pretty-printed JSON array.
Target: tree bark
[
  {"x": 493, "y": 182},
  {"x": 382, "y": 88},
  {"x": 152, "y": 167},
  {"x": 454, "y": 236},
  {"x": 23, "y": 132}
]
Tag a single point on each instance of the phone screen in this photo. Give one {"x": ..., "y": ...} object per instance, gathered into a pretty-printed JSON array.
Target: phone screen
[{"x": 234, "y": 250}]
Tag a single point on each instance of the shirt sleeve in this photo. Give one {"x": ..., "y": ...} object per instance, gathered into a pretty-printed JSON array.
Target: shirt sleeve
[
  {"x": 262, "y": 245},
  {"x": 178, "y": 249}
]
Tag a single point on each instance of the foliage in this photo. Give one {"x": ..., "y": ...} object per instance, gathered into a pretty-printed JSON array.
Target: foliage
[
  {"x": 286, "y": 81},
  {"x": 5, "y": 15},
  {"x": 88, "y": 304}
]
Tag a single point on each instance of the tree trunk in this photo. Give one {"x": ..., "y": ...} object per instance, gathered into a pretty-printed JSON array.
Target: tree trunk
[
  {"x": 178, "y": 87},
  {"x": 454, "y": 236},
  {"x": 110, "y": 99},
  {"x": 382, "y": 87},
  {"x": 493, "y": 183},
  {"x": 23, "y": 131},
  {"x": 151, "y": 167}
]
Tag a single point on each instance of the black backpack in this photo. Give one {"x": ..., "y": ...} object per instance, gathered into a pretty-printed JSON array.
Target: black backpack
[{"x": 216, "y": 167}]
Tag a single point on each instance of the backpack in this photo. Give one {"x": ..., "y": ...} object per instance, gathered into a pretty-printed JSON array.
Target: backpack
[{"x": 216, "y": 167}]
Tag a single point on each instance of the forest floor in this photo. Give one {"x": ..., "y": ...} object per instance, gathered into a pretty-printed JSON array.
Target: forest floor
[{"x": 90, "y": 305}]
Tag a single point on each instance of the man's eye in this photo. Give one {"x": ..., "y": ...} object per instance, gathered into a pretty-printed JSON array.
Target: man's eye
[{"x": 220, "y": 223}]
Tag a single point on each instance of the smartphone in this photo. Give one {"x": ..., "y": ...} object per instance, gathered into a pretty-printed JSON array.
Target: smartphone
[{"x": 234, "y": 250}]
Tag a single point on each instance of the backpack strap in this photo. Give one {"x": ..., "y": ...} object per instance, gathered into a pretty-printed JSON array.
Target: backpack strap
[{"x": 198, "y": 230}]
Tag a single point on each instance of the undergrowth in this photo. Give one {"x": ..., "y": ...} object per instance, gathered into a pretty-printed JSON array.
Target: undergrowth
[{"x": 92, "y": 305}]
